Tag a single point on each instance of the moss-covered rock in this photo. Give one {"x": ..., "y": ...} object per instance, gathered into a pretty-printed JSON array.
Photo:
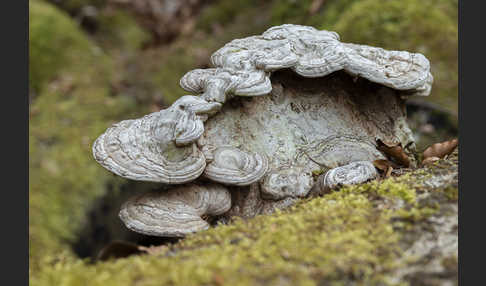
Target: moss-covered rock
[
  {"x": 72, "y": 108},
  {"x": 55, "y": 44},
  {"x": 118, "y": 29},
  {"x": 364, "y": 235}
]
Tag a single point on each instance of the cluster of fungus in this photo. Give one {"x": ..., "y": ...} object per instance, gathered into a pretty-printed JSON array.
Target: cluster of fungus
[{"x": 273, "y": 109}]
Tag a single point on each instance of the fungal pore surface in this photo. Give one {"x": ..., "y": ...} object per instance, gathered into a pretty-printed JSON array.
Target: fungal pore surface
[{"x": 273, "y": 110}]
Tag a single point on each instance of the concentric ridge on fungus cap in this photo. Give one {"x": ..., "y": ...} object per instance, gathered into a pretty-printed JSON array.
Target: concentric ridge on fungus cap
[
  {"x": 243, "y": 66},
  {"x": 157, "y": 147},
  {"x": 353, "y": 173},
  {"x": 235, "y": 167},
  {"x": 177, "y": 212},
  {"x": 161, "y": 147}
]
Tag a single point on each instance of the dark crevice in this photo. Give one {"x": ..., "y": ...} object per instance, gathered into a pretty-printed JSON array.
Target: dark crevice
[{"x": 103, "y": 225}]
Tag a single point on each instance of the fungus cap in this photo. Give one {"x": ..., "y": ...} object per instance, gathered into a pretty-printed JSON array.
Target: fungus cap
[
  {"x": 232, "y": 166},
  {"x": 177, "y": 212},
  {"x": 243, "y": 66},
  {"x": 157, "y": 147}
]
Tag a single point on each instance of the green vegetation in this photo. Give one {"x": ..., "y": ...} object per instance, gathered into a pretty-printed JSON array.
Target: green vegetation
[
  {"x": 69, "y": 112},
  {"x": 119, "y": 30},
  {"x": 298, "y": 12},
  {"x": 425, "y": 26},
  {"x": 75, "y": 6},
  {"x": 167, "y": 65},
  {"x": 55, "y": 44},
  {"x": 340, "y": 237},
  {"x": 224, "y": 12}
]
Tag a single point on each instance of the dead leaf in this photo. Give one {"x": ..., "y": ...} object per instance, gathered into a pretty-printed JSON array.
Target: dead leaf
[
  {"x": 383, "y": 165},
  {"x": 440, "y": 150},
  {"x": 389, "y": 171},
  {"x": 394, "y": 151},
  {"x": 119, "y": 249},
  {"x": 430, "y": 160}
]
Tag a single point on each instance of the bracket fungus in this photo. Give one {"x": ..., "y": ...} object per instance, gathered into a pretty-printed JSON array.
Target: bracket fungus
[
  {"x": 273, "y": 109},
  {"x": 176, "y": 212}
]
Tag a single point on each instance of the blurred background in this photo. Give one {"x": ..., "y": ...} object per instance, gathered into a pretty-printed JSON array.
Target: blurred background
[{"x": 95, "y": 62}]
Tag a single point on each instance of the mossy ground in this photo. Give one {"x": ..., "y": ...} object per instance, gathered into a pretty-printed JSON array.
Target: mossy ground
[
  {"x": 350, "y": 235},
  {"x": 74, "y": 105},
  {"x": 55, "y": 44},
  {"x": 84, "y": 83}
]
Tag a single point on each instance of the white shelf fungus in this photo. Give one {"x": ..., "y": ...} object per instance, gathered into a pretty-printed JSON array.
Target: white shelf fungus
[{"x": 273, "y": 109}]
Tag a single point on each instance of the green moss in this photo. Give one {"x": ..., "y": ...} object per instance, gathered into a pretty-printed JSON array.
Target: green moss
[
  {"x": 66, "y": 117},
  {"x": 119, "y": 29},
  {"x": 223, "y": 12},
  {"x": 390, "y": 188},
  {"x": 425, "y": 26},
  {"x": 75, "y": 6},
  {"x": 428, "y": 27},
  {"x": 298, "y": 12},
  {"x": 165, "y": 67},
  {"x": 338, "y": 238},
  {"x": 171, "y": 66},
  {"x": 452, "y": 193},
  {"x": 55, "y": 44}
]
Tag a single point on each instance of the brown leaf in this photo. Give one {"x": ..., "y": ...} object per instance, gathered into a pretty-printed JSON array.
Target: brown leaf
[
  {"x": 119, "y": 249},
  {"x": 394, "y": 151},
  {"x": 430, "y": 160},
  {"x": 383, "y": 165},
  {"x": 389, "y": 171},
  {"x": 440, "y": 150}
]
